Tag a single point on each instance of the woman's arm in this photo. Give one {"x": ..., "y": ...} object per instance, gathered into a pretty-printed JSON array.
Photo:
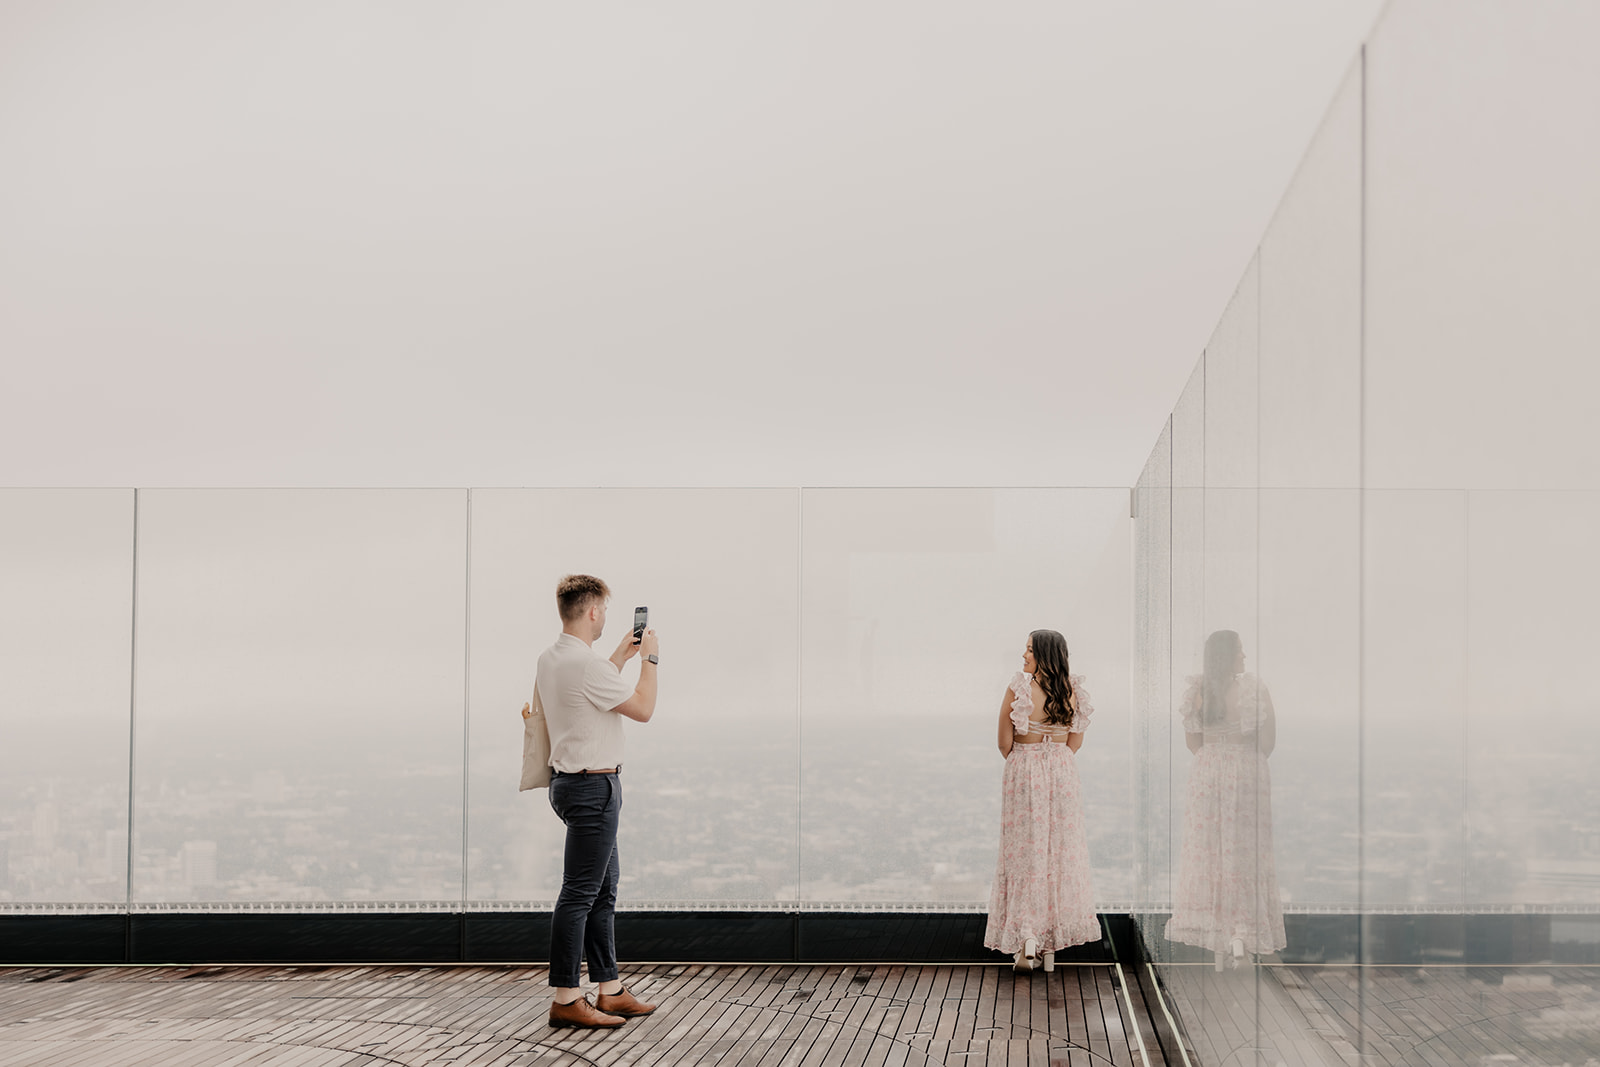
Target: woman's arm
[
  {"x": 1006, "y": 732},
  {"x": 1074, "y": 740},
  {"x": 1267, "y": 730},
  {"x": 1196, "y": 741}
]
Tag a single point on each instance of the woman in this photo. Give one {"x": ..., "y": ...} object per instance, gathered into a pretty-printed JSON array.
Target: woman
[
  {"x": 1227, "y": 892},
  {"x": 1042, "y": 900}
]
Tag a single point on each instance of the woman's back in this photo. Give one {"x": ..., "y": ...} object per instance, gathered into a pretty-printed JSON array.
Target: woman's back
[
  {"x": 1237, "y": 712},
  {"x": 1029, "y": 720}
]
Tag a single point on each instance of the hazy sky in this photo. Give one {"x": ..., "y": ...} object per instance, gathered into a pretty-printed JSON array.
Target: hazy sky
[{"x": 709, "y": 243}]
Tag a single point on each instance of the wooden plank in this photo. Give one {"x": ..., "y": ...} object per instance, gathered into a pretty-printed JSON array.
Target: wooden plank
[
  {"x": 1039, "y": 1005},
  {"x": 973, "y": 991},
  {"x": 699, "y": 1017},
  {"x": 1094, "y": 1027},
  {"x": 1055, "y": 1019},
  {"x": 918, "y": 1016},
  {"x": 747, "y": 987},
  {"x": 777, "y": 982},
  {"x": 822, "y": 1045},
  {"x": 997, "y": 1025},
  {"x": 1076, "y": 1029},
  {"x": 756, "y": 1029},
  {"x": 1021, "y": 1016},
  {"x": 955, "y": 1006},
  {"x": 797, "y": 1035},
  {"x": 716, "y": 1042},
  {"x": 842, "y": 984}
]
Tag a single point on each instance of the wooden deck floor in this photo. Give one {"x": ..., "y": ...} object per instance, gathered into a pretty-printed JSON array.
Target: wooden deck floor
[{"x": 474, "y": 1016}]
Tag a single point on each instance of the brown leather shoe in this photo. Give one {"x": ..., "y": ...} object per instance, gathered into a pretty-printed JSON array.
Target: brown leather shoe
[
  {"x": 582, "y": 1015},
  {"x": 623, "y": 1003}
]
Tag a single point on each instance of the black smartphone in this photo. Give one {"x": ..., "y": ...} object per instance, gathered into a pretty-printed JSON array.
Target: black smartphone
[{"x": 641, "y": 617}]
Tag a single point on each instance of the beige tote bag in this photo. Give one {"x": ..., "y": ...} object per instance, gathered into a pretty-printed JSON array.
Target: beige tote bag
[{"x": 535, "y": 745}]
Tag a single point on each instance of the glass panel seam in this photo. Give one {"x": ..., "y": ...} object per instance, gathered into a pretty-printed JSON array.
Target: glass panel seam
[
  {"x": 133, "y": 678},
  {"x": 466, "y": 708},
  {"x": 1361, "y": 583},
  {"x": 799, "y": 707}
]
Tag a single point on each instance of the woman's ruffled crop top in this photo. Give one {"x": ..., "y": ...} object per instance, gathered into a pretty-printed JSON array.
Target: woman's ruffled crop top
[
  {"x": 1022, "y": 708},
  {"x": 1254, "y": 705}
]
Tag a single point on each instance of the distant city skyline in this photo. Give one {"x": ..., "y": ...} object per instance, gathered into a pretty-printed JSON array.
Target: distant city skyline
[{"x": 890, "y": 817}]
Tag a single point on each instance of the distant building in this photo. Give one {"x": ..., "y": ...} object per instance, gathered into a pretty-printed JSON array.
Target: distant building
[
  {"x": 199, "y": 864},
  {"x": 269, "y": 788},
  {"x": 46, "y": 823},
  {"x": 116, "y": 855},
  {"x": 1574, "y": 879}
]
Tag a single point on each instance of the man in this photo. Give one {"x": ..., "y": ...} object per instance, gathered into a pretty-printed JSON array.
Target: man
[{"x": 585, "y": 700}]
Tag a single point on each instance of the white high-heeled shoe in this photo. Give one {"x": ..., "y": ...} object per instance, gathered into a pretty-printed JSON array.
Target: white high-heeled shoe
[
  {"x": 1049, "y": 961},
  {"x": 1028, "y": 958}
]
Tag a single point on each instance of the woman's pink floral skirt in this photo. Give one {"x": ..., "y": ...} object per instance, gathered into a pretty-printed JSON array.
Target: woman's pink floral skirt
[
  {"x": 1041, "y": 887},
  {"x": 1227, "y": 882}
]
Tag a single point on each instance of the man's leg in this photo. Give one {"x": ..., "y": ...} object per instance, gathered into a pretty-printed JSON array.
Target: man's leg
[
  {"x": 600, "y": 939},
  {"x": 585, "y": 804}
]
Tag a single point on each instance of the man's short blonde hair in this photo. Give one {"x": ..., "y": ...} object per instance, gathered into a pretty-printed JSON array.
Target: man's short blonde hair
[{"x": 576, "y": 592}]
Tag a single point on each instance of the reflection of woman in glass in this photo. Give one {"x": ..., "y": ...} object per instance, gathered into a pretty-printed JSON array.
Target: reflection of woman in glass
[
  {"x": 1227, "y": 893},
  {"x": 1042, "y": 900}
]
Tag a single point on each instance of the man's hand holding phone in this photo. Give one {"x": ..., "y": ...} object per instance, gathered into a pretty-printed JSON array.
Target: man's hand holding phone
[
  {"x": 625, "y": 651},
  {"x": 649, "y": 643}
]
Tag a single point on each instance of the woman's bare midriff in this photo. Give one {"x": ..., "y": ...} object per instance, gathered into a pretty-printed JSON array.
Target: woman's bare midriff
[{"x": 1038, "y": 739}]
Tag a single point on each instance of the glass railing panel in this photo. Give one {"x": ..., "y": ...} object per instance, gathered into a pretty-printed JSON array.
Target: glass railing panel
[
  {"x": 1308, "y": 839},
  {"x": 1414, "y": 698},
  {"x": 1184, "y": 629},
  {"x": 917, "y": 605},
  {"x": 1308, "y": 580},
  {"x": 299, "y": 695},
  {"x": 1185, "y": 638},
  {"x": 66, "y": 623},
  {"x": 1483, "y": 247},
  {"x": 712, "y": 780},
  {"x": 1310, "y": 307},
  {"x": 1532, "y": 716},
  {"x": 1231, "y": 435},
  {"x": 1189, "y": 431},
  {"x": 1223, "y": 917},
  {"x": 1422, "y": 552},
  {"x": 1309, "y": 661}
]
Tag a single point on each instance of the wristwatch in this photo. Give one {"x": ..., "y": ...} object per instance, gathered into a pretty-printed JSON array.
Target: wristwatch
[{"x": 652, "y": 657}]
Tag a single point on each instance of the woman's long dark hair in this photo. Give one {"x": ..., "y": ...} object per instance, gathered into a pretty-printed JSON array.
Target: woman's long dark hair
[
  {"x": 1222, "y": 655},
  {"x": 1050, "y": 671}
]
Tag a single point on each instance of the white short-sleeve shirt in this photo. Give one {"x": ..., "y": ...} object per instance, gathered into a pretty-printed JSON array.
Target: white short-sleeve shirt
[{"x": 579, "y": 688}]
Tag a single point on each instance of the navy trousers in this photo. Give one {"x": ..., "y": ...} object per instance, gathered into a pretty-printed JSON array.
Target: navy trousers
[{"x": 583, "y": 924}]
